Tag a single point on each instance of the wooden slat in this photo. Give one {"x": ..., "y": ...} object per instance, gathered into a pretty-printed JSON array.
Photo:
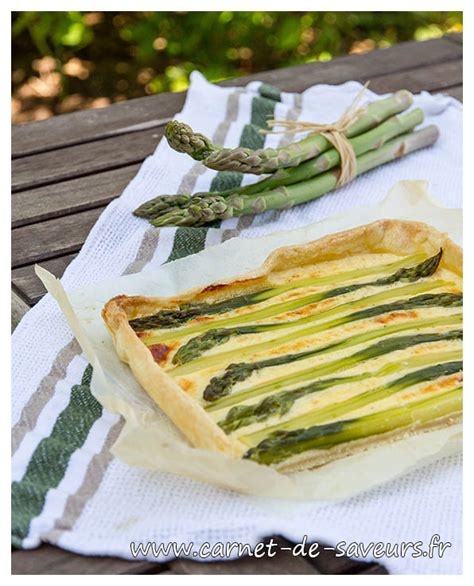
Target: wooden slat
[
  {"x": 283, "y": 563},
  {"x": 430, "y": 78},
  {"x": 70, "y": 129},
  {"x": 24, "y": 279},
  {"x": 18, "y": 309},
  {"x": 454, "y": 37},
  {"x": 52, "y": 238},
  {"x": 68, "y": 197},
  {"x": 85, "y": 159},
  {"x": 98, "y": 189},
  {"x": 328, "y": 562},
  {"x": 127, "y": 117},
  {"x": 52, "y": 560},
  {"x": 398, "y": 58},
  {"x": 373, "y": 569},
  {"x": 455, "y": 92}
]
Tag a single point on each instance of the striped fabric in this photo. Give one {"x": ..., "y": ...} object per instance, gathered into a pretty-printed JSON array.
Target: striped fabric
[
  {"x": 67, "y": 489},
  {"x": 75, "y": 422}
]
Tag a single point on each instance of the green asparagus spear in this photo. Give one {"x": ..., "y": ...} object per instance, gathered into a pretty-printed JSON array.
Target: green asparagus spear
[
  {"x": 281, "y": 446},
  {"x": 168, "y": 318},
  {"x": 439, "y": 365},
  {"x": 369, "y": 141},
  {"x": 205, "y": 209},
  {"x": 195, "y": 347},
  {"x": 164, "y": 203},
  {"x": 220, "y": 386},
  {"x": 362, "y": 143},
  {"x": 183, "y": 139},
  {"x": 175, "y": 317},
  {"x": 424, "y": 269},
  {"x": 261, "y": 347}
]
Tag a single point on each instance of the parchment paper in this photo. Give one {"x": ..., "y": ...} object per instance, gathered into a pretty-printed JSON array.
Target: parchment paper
[{"x": 150, "y": 440}]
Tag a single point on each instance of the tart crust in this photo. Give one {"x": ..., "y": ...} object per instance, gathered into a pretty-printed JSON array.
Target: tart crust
[{"x": 384, "y": 236}]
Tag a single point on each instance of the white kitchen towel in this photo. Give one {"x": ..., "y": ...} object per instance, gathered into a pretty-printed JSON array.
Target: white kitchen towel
[{"x": 70, "y": 491}]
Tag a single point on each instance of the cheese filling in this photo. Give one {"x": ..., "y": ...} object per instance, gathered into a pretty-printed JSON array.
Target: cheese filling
[{"x": 316, "y": 359}]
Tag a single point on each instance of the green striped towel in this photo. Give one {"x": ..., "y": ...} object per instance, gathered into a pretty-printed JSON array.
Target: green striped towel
[{"x": 67, "y": 487}]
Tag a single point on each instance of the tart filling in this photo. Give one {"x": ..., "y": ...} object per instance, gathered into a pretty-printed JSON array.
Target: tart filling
[{"x": 316, "y": 360}]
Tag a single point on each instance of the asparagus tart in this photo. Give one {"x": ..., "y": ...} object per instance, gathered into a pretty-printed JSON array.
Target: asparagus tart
[{"x": 330, "y": 348}]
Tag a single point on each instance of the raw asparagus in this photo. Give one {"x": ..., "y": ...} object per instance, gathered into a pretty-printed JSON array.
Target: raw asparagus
[
  {"x": 183, "y": 139},
  {"x": 361, "y": 144},
  {"x": 205, "y": 209}
]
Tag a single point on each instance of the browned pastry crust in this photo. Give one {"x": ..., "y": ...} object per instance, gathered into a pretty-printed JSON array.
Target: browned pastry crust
[{"x": 384, "y": 236}]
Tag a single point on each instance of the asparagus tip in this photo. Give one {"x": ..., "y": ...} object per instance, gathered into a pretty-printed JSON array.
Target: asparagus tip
[
  {"x": 182, "y": 138},
  {"x": 405, "y": 97}
]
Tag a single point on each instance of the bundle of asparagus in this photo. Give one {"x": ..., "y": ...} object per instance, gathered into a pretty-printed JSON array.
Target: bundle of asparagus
[{"x": 300, "y": 172}]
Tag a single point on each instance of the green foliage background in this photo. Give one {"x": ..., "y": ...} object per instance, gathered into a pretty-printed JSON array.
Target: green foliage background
[{"x": 64, "y": 61}]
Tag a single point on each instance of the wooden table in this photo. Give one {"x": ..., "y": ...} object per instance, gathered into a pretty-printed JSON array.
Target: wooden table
[{"x": 65, "y": 170}]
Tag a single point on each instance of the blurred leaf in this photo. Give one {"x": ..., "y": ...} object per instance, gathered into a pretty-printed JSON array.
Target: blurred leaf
[
  {"x": 136, "y": 53},
  {"x": 74, "y": 35}
]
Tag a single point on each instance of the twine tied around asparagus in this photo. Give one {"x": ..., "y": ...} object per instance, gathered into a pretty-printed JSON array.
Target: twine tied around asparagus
[{"x": 333, "y": 132}]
